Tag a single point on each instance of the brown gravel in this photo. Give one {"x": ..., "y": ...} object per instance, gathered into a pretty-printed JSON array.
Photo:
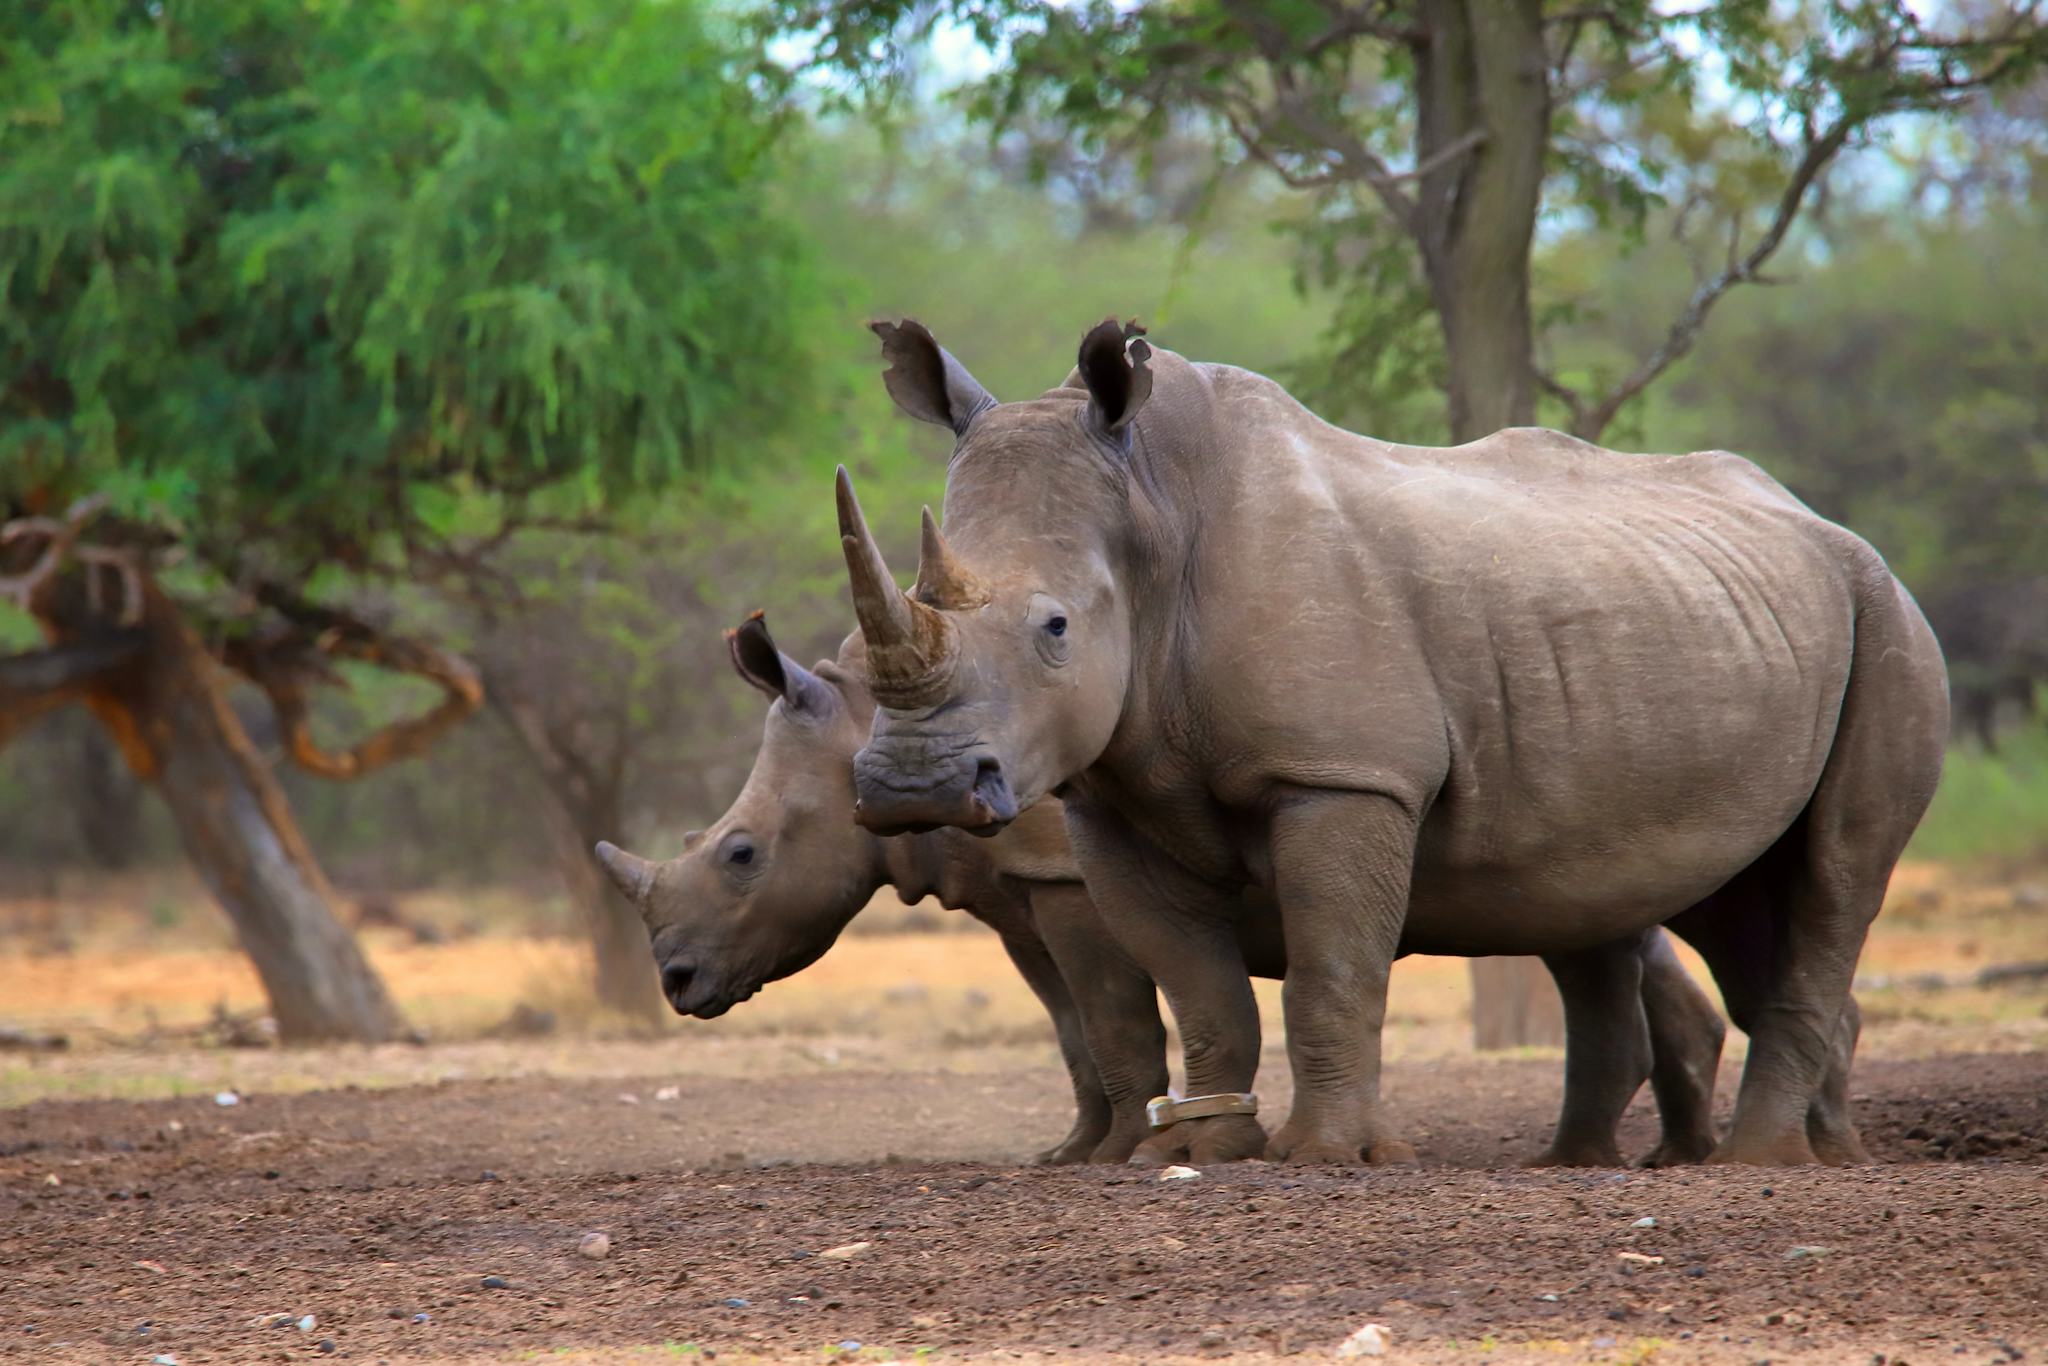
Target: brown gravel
[{"x": 364, "y": 1208}]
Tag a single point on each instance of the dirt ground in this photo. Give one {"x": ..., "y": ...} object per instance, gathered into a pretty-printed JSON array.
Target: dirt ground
[
  {"x": 889, "y": 1097},
  {"x": 134, "y": 1229}
]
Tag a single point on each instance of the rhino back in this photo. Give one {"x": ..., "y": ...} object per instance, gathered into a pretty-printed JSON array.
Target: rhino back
[{"x": 1597, "y": 672}]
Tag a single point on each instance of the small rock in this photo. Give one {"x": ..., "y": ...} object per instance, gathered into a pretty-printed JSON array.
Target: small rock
[
  {"x": 1803, "y": 1252},
  {"x": 1634, "y": 1261},
  {"x": 1211, "y": 1338},
  {"x": 270, "y": 1320},
  {"x": 1178, "y": 1174},
  {"x": 2031, "y": 897},
  {"x": 975, "y": 999},
  {"x": 307, "y": 1323},
  {"x": 735, "y": 1302},
  {"x": 1647, "y": 1221},
  {"x": 496, "y": 1283},
  {"x": 325, "y": 1347},
  {"x": 850, "y": 1345},
  {"x": 423, "y": 1317},
  {"x": 628, "y": 1098},
  {"x": 226, "y": 1098},
  {"x": 596, "y": 1246},
  {"x": 163, "y": 1359},
  {"x": 845, "y": 1252},
  {"x": 668, "y": 1093},
  {"x": 1603, "y": 1343},
  {"x": 1369, "y": 1341},
  {"x": 1549, "y": 1297},
  {"x": 490, "y": 1175}
]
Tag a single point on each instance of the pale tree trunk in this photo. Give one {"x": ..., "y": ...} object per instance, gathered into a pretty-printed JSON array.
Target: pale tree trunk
[
  {"x": 1484, "y": 76},
  {"x": 165, "y": 707},
  {"x": 582, "y": 807}
]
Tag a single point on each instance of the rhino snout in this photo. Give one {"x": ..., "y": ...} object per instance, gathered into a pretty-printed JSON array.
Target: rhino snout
[{"x": 910, "y": 792}]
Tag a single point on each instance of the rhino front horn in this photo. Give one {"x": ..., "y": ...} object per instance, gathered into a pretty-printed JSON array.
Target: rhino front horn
[
  {"x": 878, "y": 604},
  {"x": 633, "y": 875}
]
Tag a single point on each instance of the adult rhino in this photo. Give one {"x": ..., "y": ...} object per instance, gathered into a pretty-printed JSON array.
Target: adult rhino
[
  {"x": 767, "y": 887},
  {"x": 1524, "y": 695}
]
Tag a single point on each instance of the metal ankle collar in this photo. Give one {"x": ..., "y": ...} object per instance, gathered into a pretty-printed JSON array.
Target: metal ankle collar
[{"x": 1166, "y": 1111}]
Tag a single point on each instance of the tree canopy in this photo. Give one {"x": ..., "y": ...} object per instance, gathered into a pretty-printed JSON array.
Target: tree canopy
[
  {"x": 1439, "y": 136},
  {"x": 291, "y": 281}
]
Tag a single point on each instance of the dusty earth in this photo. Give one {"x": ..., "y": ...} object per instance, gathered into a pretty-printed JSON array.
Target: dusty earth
[
  {"x": 134, "y": 1230},
  {"x": 890, "y": 1096}
]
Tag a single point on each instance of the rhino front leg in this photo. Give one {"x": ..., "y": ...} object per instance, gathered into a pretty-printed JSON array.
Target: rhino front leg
[
  {"x": 1091, "y": 1106},
  {"x": 1341, "y": 863},
  {"x": 1182, "y": 933},
  {"x": 1118, "y": 1011}
]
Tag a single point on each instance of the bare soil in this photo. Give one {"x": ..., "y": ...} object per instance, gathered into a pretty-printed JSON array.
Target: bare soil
[{"x": 134, "y": 1229}]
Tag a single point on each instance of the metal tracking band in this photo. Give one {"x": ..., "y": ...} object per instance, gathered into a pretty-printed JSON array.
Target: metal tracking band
[{"x": 1165, "y": 1111}]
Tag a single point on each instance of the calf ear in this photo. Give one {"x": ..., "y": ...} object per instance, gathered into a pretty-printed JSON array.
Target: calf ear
[
  {"x": 1113, "y": 366},
  {"x": 925, "y": 380},
  {"x": 757, "y": 660}
]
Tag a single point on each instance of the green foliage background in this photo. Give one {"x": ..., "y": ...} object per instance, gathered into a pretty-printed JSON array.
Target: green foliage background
[{"x": 411, "y": 268}]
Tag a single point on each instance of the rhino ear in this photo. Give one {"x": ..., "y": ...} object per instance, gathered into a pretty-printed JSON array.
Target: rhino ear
[
  {"x": 925, "y": 380},
  {"x": 1113, "y": 366},
  {"x": 757, "y": 660}
]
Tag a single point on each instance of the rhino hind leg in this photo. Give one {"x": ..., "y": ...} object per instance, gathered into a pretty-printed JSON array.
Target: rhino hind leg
[
  {"x": 1607, "y": 1051},
  {"x": 1686, "y": 1035},
  {"x": 1829, "y": 1128},
  {"x": 1783, "y": 937}
]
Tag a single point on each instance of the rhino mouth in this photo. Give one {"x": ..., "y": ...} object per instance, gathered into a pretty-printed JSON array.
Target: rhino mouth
[{"x": 702, "y": 997}]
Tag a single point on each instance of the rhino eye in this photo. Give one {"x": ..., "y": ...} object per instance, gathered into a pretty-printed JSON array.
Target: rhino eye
[
  {"x": 1057, "y": 626},
  {"x": 742, "y": 854}
]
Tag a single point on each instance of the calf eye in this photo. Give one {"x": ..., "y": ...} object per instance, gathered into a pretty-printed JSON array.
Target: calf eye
[
  {"x": 1057, "y": 625},
  {"x": 743, "y": 854}
]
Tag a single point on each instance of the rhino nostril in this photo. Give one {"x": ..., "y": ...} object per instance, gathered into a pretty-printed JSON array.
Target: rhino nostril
[
  {"x": 993, "y": 790},
  {"x": 675, "y": 979}
]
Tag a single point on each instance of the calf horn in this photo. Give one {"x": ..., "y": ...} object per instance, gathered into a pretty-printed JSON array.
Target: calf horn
[
  {"x": 942, "y": 580},
  {"x": 633, "y": 875},
  {"x": 910, "y": 645}
]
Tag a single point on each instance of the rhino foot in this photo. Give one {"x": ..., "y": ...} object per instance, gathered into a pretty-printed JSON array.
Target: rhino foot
[
  {"x": 1072, "y": 1149},
  {"x": 1218, "y": 1138},
  {"x": 1565, "y": 1153},
  {"x": 1679, "y": 1151},
  {"x": 1840, "y": 1149},
  {"x": 1325, "y": 1152},
  {"x": 1785, "y": 1150}
]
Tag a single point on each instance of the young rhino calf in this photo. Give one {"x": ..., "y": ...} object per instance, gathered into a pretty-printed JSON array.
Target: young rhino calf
[{"x": 766, "y": 889}]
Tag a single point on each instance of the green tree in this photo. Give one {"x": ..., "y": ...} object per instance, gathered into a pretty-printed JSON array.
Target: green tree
[
  {"x": 304, "y": 296},
  {"x": 1437, "y": 134}
]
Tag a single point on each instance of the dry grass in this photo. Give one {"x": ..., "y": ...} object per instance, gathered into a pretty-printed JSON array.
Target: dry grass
[{"x": 130, "y": 971}]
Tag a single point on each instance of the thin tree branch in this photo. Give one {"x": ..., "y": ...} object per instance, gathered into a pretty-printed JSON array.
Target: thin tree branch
[
  {"x": 283, "y": 666},
  {"x": 1742, "y": 267}
]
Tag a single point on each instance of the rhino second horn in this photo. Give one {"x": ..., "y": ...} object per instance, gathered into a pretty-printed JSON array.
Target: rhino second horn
[
  {"x": 633, "y": 875},
  {"x": 942, "y": 580},
  {"x": 879, "y": 605}
]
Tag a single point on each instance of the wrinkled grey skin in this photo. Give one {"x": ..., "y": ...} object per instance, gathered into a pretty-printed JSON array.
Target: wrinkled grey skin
[
  {"x": 721, "y": 928},
  {"x": 1524, "y": 695}
]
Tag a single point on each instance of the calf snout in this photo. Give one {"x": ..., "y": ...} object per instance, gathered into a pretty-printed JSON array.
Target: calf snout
[
  {"x": 909, "y": 789},
  {"x": 676, "y": 976}
]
